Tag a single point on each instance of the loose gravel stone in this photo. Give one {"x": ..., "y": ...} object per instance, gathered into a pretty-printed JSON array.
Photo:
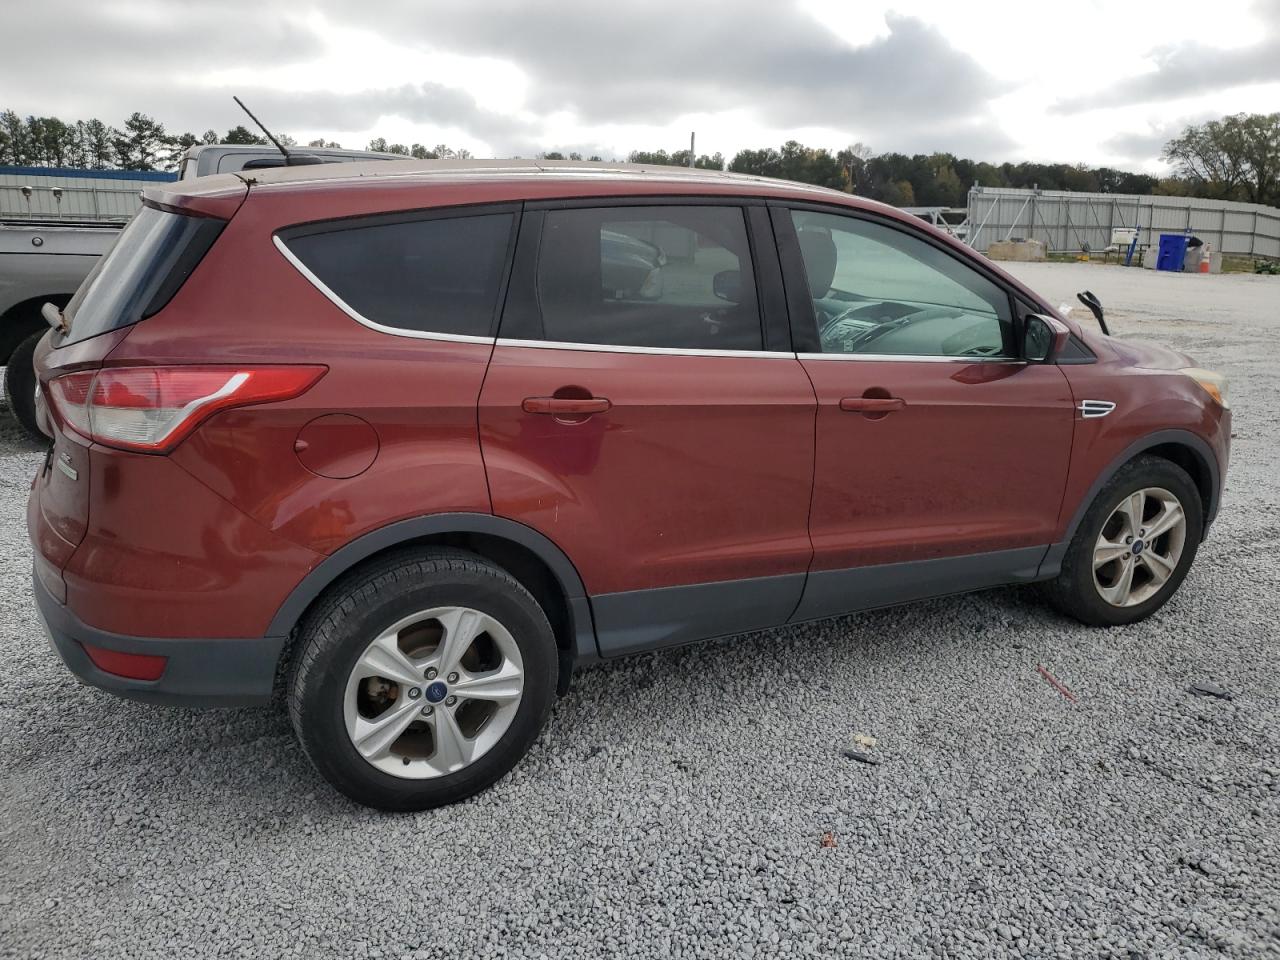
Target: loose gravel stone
[
  {"x": 674, "y": 805},
  {"x": 862, "y": 756},
  {"x": 1207, "y": 688}
]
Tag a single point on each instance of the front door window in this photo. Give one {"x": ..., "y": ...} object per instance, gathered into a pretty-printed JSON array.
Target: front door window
[{"x": 878, "y": 291}]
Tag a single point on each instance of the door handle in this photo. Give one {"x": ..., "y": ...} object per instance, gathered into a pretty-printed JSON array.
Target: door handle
[
  {"x": 872, "y": 404},
  {"x": 559, "y": 406}
]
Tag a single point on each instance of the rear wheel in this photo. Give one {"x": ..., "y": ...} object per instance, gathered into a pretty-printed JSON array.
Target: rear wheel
[
  {"x": 20, "y": 384},
  {"x": 422, "y": 680},
  {"x": 1134, "y": 546}
]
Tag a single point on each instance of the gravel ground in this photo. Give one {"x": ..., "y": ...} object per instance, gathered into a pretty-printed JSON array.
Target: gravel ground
[{"x": 678, "y": 803}]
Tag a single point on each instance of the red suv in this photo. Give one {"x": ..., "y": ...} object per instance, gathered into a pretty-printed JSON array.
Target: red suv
[{"x": 418, "y": 438}]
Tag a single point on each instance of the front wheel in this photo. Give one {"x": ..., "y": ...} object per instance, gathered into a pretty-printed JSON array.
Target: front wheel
[
  {"x": 1134, "y": 546},
  {"x": 422, "y": 679}
]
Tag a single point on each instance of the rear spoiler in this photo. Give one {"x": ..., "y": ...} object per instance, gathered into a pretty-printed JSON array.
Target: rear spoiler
[{"x": 217, "y": 197}]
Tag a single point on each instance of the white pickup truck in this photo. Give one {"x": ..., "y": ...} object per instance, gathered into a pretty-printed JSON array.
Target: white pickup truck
[{"x": 54, "y": 227}]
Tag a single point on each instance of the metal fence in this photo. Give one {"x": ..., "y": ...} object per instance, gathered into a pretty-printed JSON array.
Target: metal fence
[
  {"x": 39, "y": 193},
  {"x": 1069, "y": 221}
]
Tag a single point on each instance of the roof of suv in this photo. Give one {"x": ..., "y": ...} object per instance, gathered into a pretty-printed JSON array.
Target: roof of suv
[
  {"x": 440, "y": 171},
  {"x": 449, "y": 181}
]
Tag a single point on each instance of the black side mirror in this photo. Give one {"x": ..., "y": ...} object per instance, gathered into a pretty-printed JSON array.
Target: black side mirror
[
  {"x": 1043, "y": 337},
  {"x": 727, "y": 285}
]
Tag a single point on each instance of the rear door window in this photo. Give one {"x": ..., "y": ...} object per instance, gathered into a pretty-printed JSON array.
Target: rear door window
[
  {"x": 668, "y": 277},
  {"x": 438, "y": 276}
]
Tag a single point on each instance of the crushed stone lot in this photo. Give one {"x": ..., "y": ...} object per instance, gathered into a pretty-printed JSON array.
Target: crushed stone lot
[{"x": 698, "y": 802}]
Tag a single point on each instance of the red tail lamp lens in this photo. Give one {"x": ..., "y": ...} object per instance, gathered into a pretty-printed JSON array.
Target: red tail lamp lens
[{"x": 152, "y": 409}]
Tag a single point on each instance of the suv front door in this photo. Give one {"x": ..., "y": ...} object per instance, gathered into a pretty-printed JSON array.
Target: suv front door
[
  {"x": 941, "y": 455},
  {"x": 644, "y": 411}
]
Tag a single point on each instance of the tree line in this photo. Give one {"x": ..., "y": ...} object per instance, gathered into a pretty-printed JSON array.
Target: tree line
[
  {"x": 1235, "y": 158},
  {"x": 142, "y": 143}
]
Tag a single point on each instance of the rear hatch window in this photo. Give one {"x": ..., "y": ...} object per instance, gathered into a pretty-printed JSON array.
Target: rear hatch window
[{"x": 150, "y": 260}]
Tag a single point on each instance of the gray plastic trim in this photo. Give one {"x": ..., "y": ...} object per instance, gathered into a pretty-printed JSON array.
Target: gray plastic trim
[
  {"x": 233, "y": 672},
  {"x": 831, "y": 593},
  {"x": 640, "y": 620},
  {"x": 404, "y": 531}
]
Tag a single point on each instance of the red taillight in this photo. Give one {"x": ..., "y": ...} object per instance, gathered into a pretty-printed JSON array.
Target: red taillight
[
  {"x": 135, "y": 666},
  {"x": 152, "y": 409},
  {"x": 70, "y": 397}
]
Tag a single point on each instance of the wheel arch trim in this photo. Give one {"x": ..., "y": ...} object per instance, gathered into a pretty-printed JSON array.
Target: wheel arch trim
[
  {"x": 327, "y": 572},
  {"x": 1185, "y": 438}
]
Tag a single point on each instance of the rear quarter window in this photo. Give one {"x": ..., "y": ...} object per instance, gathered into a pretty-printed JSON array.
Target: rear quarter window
[{"x": 428, "y": 276}]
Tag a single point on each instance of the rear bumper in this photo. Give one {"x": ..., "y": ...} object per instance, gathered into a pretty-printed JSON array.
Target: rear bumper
[{"x": 199, "y": 672}]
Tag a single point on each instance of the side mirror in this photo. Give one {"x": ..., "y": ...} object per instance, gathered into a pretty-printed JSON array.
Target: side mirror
[
  {"x": 1043, "y": 337},
  {"x": 727, "y": 285}
]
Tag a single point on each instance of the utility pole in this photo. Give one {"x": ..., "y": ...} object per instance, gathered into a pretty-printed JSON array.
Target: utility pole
[{"x": 691, "y": 154}]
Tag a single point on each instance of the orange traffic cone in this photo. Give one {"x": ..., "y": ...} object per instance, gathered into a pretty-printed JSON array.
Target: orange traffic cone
[{"x": 1204, "y": 259}]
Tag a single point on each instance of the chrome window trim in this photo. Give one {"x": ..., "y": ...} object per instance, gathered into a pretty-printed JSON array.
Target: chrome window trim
[
  {"x": 908, "y": 358},
  {"x": 656, "y": 351},
  {"x": 361, "y": 318}
]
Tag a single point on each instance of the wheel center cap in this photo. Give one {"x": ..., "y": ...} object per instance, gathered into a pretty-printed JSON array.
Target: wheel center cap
[
  {"x": 437, "y": 691},
  {"x": 1137, "y": 549}
]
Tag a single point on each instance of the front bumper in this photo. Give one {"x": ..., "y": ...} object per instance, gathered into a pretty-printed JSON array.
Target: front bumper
[{"x": 199, "y": 672}]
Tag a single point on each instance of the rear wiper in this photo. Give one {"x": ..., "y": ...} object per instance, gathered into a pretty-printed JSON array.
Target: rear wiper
[
  {"x": 54, "y": 318},
  {"x": 1095, "y": 307}
]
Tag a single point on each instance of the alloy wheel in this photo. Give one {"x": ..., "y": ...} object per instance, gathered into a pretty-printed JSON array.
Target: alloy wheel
[
  {"x": 1139, "y": 547},
  {"x": 434, "y": 692}
]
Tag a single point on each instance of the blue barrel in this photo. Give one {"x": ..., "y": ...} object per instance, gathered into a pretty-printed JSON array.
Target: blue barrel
[{"x": 1173, "y": 251}]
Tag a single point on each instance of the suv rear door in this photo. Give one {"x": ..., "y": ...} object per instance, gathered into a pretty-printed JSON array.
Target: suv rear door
[{"x": 644, "y": 411}]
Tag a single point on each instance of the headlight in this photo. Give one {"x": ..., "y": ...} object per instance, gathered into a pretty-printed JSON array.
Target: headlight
[{"x": 1214, "y": 383}]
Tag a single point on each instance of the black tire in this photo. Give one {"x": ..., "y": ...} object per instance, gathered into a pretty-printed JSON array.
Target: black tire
[
  {"x": 20, "y": 385},
  {"x": 354, "y": 611},
  {"x": 1074, "y": 591}
]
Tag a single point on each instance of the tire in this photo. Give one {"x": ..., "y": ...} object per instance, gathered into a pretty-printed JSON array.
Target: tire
[
  {"x": 330, "y": 688},
  {"x": 20, "y": 385},
  {"x": 1082, "y": 592}
]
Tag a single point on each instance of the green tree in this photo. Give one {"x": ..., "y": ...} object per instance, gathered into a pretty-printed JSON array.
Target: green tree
[
  {"x": 176, "y": 149},
  {"x": 51, "y": 142},
  {"x": 679, "y": 158},
  {"x": 99, "y": 144},
  {"x": 794, "y": 161},
  {"x": 241, "y": 134},
  {"x": 141, "y": 144},
  {"x": 1235, "y": 157}
]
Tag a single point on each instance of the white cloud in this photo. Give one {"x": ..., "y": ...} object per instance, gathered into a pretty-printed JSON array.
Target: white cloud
[{"x": 1097, "y": 82}]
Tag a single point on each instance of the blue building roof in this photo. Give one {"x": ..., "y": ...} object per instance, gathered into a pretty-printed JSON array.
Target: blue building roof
[{"x": 155, "y": 175}]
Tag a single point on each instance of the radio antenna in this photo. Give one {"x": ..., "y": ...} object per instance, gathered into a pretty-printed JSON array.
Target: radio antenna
[{"x": 279, "y": 146}]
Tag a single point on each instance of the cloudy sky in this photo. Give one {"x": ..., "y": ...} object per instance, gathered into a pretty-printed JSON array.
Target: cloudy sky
[{"x": 1089, "y": 81}]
